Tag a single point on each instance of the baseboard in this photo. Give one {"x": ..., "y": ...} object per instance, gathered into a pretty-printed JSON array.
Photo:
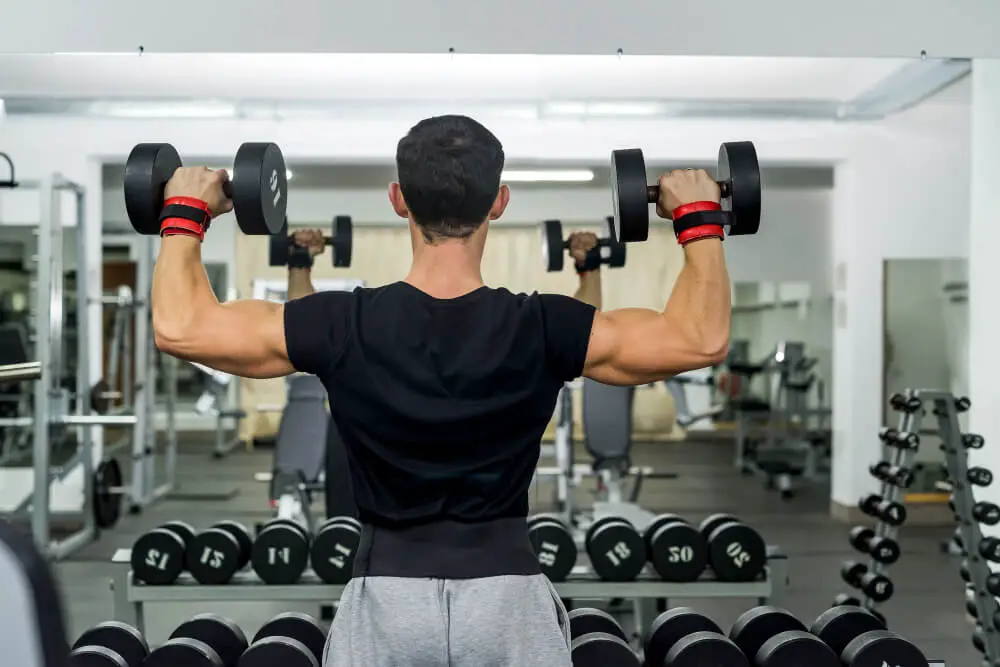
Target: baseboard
[{"x": 916, "y": 515}]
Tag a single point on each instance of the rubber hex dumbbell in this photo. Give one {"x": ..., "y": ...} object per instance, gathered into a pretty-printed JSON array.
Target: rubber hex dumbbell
[
  {"x": 890, "y": 512},
  {"x": 898, "y": 476},
  {"x": 675, "y": 548},
  {"x": 214, "y": 555},
  {"x": 681, "y": 637},
  {"x": 978, "y": 476},
  {"x": 598, "y": 640},
  {"x": 773, "y": 637},
  {"x": 112, "y": 643},
  {"x": 586, "y": 620},
  {"x": 205, "y": 640},
  {"x": 901, "y": 403},
  {"x": 291, "y": 639},
  {"x": 259, "y": 187},
  {"x": 736, "y": 552},
  {"x": 878, "y": 587},
  {"x": 158, "y": 555},
  {"x": 617, "y": 552},
  {"x": 280, "y": 552},
  {"x": 553, "y": 543},
  {"x": 554, "y": 246},
  {"x": 859, "y": 637},
  {"x": 341, "y": 240},
  {"x": 882, "y": 549},
  {"x": 737, "y": 173},
  {"x": 333, "y": 549},
  {"x": 899, "y": 439}
]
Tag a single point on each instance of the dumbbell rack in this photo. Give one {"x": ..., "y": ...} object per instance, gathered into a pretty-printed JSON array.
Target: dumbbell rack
[{"x": 129, "y": 597}]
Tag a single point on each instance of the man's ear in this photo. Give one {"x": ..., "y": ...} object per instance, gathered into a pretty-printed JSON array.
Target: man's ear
[
  {"x": 397, "y": 201},
  {"x": 500, "y": 203}
]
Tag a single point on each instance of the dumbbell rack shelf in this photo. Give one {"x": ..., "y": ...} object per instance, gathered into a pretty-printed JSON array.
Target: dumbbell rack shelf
[{"x": 130, "y": 597}]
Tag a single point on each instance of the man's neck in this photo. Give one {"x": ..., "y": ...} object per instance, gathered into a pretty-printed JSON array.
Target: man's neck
[{"x": 445, "y": 270}]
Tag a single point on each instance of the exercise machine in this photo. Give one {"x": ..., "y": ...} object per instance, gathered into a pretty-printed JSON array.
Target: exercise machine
[{"x": 214, "y": 401}]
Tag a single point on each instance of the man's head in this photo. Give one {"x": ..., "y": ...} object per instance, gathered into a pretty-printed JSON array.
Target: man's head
[{"x": 449, "y": 177}]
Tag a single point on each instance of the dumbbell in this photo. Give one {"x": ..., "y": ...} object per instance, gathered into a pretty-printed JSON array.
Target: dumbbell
[
  {"x": 109, "y": 644},
  {"x": 553, "y": 544},
  {"x": 681, "y": 637},
  {"x": 978, "y": 640},
  {"x": 983, "y": 511},
  {"x": 205, "y": 640},
  {"x": 859, "y": 637},
  {"x": 214, "y": 555},
  {"x": 898, "y": 476},
  {"x": 962, "y": 404},
  {"x": 333, "y": 549},
  {"x": 978, "y": 476},
  {"x": 882, "y": 549},
  {"x": 280, "y": 552},
  {"x": 617, "y": 551},
  {"x": 848, "y": 600},
  {"x": 973, "y": 441},
  {"x": 973, "y": 609},
  {"x": 890, "y": 512},
  {"x": 341, "y": 240},
  {"x": 554, "y": 246},
  {"x": 878, "y": 587},
  {"x": 773, "y": 637},
  {"x": 291, "y": 639},
  {"x": 675, "y": 548},
  {"x": 900, "y": 439},
  {"x": 989, "y": 548},
  {"x": 158, "y": 556},
  {"x": 901, "y": 403},
  {"x": 598, "y": 640},
  {"x": 737, "y": 173},
  {"x": 259, "y": 187},
  {"x": 736, "y": 552}
]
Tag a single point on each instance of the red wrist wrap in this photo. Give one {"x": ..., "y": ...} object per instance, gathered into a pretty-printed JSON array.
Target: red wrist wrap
[
  {"x": 694, "y": 207},
  {"x": 184, "y": 226},
  {"x": 701, "y": 231}
]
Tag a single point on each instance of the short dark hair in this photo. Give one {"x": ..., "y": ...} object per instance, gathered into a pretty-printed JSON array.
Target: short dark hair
[{"x": 449, "y": 172}]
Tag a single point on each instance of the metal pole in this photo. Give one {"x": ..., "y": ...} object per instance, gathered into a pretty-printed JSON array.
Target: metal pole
[
  {"x": 31, "y": 370},
  {"x": 84, "y": 378},
  {"x": 142, "y": 483},
  {"x": 170, "y": 369}
]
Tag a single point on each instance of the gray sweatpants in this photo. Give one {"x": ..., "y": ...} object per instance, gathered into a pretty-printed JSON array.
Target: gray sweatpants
[{"x": 506, "y": 621}]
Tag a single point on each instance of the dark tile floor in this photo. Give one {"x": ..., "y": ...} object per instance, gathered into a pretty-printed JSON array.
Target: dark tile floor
[{"x": 928, "y": 606}]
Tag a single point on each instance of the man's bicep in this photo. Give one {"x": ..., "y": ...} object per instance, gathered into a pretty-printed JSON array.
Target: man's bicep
[{"x": 631, "y": 346}]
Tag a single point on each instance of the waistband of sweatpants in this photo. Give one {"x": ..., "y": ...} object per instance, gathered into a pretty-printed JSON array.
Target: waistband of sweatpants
[{"x": 447, "y": 550}]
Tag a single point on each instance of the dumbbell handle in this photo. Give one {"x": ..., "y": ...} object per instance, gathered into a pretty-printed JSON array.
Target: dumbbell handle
[
  {"x": 227, "y": 189},
  {"x": 653, "y": 191}
]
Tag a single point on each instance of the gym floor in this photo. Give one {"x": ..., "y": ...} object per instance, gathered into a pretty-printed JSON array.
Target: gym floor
[{"x": 928, "y": 606}]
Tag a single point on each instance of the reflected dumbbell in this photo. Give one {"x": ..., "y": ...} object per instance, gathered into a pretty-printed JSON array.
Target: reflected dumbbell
[
  {"x": 890, "y": 512},
  {"x": 882, "y": 549},
  {"x": 214, "y": 555},
  {"x": 681, "y": 637},
  {"x": 158, "y": 555},
  {"x": 676, "y": 549},
  {"x": 978, "y": 476},
  {"x": 848, "y": 600},
  {"x": 899, "y": 476},
  {"x": 900, "y": 439},
  {"x": 973, "y": 441},
  {"x": 983, "y": 511},
  {"x": 333, "y": 549},
  {"x": 617, "y": 551},
  {"x": 736, "y": 552},
  {"x": 901, "y": 403},
  {"x": 280, "y": 552},
  {"x": 598, "y": 640},
  {"x": 110, "y": 644},
  {"x": 860, "y": 638},
  {"x": 973, "y": 610},
  {"x": 553, "y": 544},
  {"x": 205, "y": 640},
  {"x": 877, "y": 587},
  {"x": 773, "y": 637},
  {"x": 291, "y": 639}
]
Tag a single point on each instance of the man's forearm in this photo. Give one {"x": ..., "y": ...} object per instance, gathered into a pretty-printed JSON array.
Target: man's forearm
[
  {"x": 299, "y": 283},
  {"x": 700, "y": 302},
  {"x": 589, "y": 290},
  {"x": 181, "y": 291}
]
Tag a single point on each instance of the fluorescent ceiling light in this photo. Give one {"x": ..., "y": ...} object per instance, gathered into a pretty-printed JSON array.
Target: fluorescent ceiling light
[
  {"x": 603, "y": 109},
  {"x": 547, "y": 176},
  {"x": 170, "y": 110}
]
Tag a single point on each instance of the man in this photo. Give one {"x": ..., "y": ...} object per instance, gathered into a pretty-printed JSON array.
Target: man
[{"x": 443, "y": 389}]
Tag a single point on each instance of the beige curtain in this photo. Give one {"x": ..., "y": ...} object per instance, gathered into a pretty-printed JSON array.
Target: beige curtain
[{"x": 513, "y": 259}]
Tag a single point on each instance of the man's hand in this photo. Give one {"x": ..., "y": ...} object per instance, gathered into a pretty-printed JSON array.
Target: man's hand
[
  {"x": 686, "y": 186},
  {"x": 310, "y": 239},
  {"x": 580, "y": 243},
  {"x": 203, "y": 184}
]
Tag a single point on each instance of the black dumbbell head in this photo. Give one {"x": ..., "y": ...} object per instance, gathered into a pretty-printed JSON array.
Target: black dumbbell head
[
  {"x": 553, "y": 543},
  {"x": 629, "y": 195},
  {"x": 213, "y": 556},
  {"x": 973, "y": 441},
  {"x": 122, "y": 639},
  {"x": 147, "y": 170},
  {"x": 845, "y": 599},
  {"x": 95, "y": 656},
  {"x": 796, "y": 647},
  {"x": 260, "y": 188},
  {"x": 705, "y": 648},
  {"x": 300, "y": 627},
  {"x": 989, "y": 549},
  {"x": 711, "y": 522},
  {"x": 598, "y": 649},
  {"x": 240, "y": 534},
  {"x": 860, "y": 537},
  {"x": 615, "y": 252},
  {"x": 585, "y": 620},
  {"x": 278, "y": 247},
  {"x": 333, "y": 549},
  {"x": 553, "y": 246},
  {"x": 739, "y": 167},
  {"x": 221, "y": 634},
  {"x": 342, "y": 241},
  {"x": 962, "y": 404},
  {"x": 884, "y": 550},
  {"x": 184, "y": 651},
  {"x": 878, "y": 587},
  {"x": 755, "y": 626},
  {"x": 736, "y": 552},
  {"x": 158, "y": 557},
  {"x": 670, "y": 627},
  {"x": 280, "y": 554},
  {"x": 851, "y": 572},
  {"x": 979, "y": 476},
  {"x": 841, "y": 625},
  {"x": 275, "y": 650},
  {"x": 881, "y": 647},
  {"x": 891, "y": 513},
  {"x": 868, "y": 503},
  {"x": 617, "y": 551},
  {"x": 993, "y": 584},
  {"x": 676, "y": 549}
]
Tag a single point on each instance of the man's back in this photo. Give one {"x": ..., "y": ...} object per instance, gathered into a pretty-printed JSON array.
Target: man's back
[{"x": 442, "y": 402}]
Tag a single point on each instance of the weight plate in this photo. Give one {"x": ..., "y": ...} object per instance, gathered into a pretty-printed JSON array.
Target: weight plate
[
  {"x": 147, "y": 170},
  {"x": 670, "y": 627},
  {"x": 277, "y": 251},
  {"x": 704, "y": 648},
  {"x": 280, "y": 555},
  {"x": 615, "y": 250},
  {"x": 553, "y": 246},
  {"x": 242, "y": 535},
  {"x": 553, "y": 544},
  {"x": 585, "y": 620},
  {"x": 158, "y": 557},
  {"x": 333, "y": 550},
  {"x": 755, "y": 626},
  {"x": 839, "y": 626},
  {"x": 736, "y": 552},
  {"x": 677, "y": 550},
  {"x": 223, "y": 635},
  {"x": 881, "y": 647},
  {"x": 213, "y": 557},
  {"x": 107, "y": 496},
  {"x": 617, "y": 552},
  {"x": 124, "y": 640},
  {"x": 295, "y": 625},
  {"x": 342, "y": 240},
  {"x": 599, "y": 648},
  {"x": 260, "y": 188},
  {"x": 283, "y": 651},
  {"x": 96, "y": 656},
  {"x": 184, "y": 651},
  {"x": 181, "y": 529},
  {"x": 796, "y": 647},
  {"x": 738, "y": 165},
  {"x": 629, "y": 195}
]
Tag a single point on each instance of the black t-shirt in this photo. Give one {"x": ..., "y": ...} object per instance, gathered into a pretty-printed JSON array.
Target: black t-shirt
[{"x": 441, "y": 402}]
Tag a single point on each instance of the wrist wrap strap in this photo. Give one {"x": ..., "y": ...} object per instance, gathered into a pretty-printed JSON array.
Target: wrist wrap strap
[
  {"x": 591, "y": 262},
  {"x": 699, "y": 220},
  {"x": 299, "y": 258},
  {"x": 185, "y": 216}
]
